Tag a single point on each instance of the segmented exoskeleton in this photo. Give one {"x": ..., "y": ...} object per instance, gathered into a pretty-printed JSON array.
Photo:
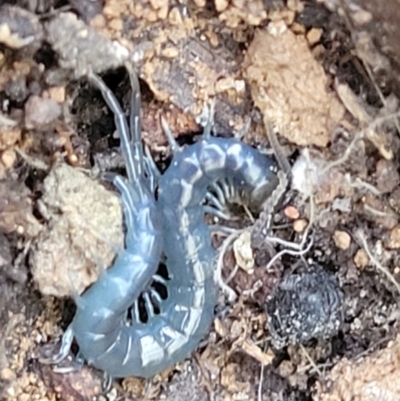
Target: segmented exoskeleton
[
  {"x": 99, "y": 325},
  {"x": 175, "y": 224}
]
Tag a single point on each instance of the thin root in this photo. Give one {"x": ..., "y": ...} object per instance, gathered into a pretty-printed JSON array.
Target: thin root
[
  {"x": 346, "y": 154},
  {"x": 382, "y": 269},
  {"x": 375, "y": 212},
  {"x": 229, "y": 292},
  {"x": 359, "y": 184},
  {"x": 312, "y": 363},
  {"x": 360, "y": 135},
  {"x": 289, "y": 252}
]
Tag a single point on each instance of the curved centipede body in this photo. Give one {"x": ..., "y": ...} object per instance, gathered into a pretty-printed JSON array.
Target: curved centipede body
[
  {"x": 174, "y": 225},
  {"x": 99, "y": 325},
  {"x": 189, "y": 310}
]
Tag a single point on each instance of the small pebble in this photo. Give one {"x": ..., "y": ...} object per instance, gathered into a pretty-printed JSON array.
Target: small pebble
[
  {"x": 300, "y": 225},
  {"x": 24, "y": 397},
  {"x": 40, "y": 111},
  {"x": 220, "y": 328},
  {"x": 361, "y": 17},
  {"x": 7, "y": 375},
  {"x": 8, "y": 158},
  {"x": 314, "y": 36},
  {"x": 394, "y": 241},
  {"x": 292, "y": 213},
  {"x": 57, "y": 93},
  {"x": 221, "y": 5},
  {"x": 200, "y": 3},
  {"x": 286, "y": 368},
  {"x": 361, "y": 259},
  {"x": 170, "y": 52},
  {"x": 116, "y": 24},
  {"x": 243, "y": 252},
  {"x": 342, "y": 239}
]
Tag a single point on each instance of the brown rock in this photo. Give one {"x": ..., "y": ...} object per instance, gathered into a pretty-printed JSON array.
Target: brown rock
[
  {"x": 84, "y": 229},
  {"x": 40, "y": 111},
  {"x": 279, "y": 67}
]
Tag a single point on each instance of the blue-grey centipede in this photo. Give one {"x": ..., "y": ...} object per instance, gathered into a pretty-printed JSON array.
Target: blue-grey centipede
[{"x": 175, "y": 226}]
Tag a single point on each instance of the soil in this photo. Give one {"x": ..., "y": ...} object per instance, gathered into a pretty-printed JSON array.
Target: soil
[{"x": 313, "y": 313}]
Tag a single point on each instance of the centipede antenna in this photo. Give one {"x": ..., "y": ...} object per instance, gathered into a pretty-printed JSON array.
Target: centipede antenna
[
  {"x": 132, "y": 168},
  {"x": 171, "y": 140},
  {"x": 210, "y": 121},
  {"x": 134, "y": 117}
]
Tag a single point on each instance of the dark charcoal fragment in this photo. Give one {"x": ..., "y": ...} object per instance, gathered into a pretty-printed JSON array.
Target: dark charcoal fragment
[{"x": 305, "y": 306}]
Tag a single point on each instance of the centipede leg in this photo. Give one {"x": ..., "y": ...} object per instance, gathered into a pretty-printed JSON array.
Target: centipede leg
[
  {"x": 106, "y": 383},
  {"x": 168, "y": 133},
  {"x": 210, "y": 121},
  {"x": 219, "y": 229},
  {"x": 76, "y": 366},
  {"x": 66, "y": 343},
  {"x": 151, "y": 170},
  {"x": 218, "y": 213}
]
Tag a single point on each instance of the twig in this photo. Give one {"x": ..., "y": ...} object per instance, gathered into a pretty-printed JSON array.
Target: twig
[
  {"x": 289, "y": 252},
  {"x": 312, "y": 363}
]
